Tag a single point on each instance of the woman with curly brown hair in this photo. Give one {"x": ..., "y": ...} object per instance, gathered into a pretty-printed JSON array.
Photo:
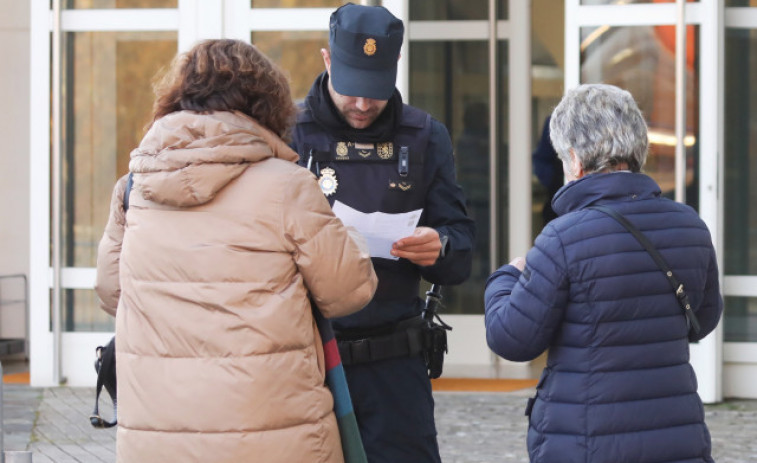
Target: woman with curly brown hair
[{"x": 210, "y": 272}]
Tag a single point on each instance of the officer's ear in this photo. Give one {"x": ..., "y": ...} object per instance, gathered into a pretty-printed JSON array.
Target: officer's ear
[{"x": 326, "y": 59}]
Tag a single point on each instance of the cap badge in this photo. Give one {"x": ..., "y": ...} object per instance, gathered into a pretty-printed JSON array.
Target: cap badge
[
  {"x": 327, "y": 181},
  {"x": 370, "y": 47}
]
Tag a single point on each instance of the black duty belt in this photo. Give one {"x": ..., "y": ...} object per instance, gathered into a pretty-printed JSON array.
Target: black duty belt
[{"x": 405, "y": 341}]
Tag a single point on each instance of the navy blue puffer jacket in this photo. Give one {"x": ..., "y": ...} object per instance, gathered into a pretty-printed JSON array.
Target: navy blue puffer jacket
[{"x": 618, "y": 386}]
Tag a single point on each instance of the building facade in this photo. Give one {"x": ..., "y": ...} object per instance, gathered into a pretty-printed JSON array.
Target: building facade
[{"x": 490, "y": 70}]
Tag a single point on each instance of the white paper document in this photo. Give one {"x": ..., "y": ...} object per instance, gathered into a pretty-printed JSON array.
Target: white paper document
[{"x": 379, "y": 229}]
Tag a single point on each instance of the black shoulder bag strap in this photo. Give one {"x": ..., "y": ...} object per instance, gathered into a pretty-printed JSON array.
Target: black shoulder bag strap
[
  {"x": 127, "y": 191},
  {"x": 105, "y": 363},
  {"x": 683, "y": 299}
]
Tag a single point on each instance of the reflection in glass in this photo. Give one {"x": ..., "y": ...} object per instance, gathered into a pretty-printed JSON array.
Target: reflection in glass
[
  {"x": 107, "y": 101},
  {"x": 740, "y": 319},
  {"x": 642, "y": 61},
  {"x": 82, "y": 312},
  {"x": 740, "y": 152},
  {"x": 107, "y": 4},
  {"x": 452, "y": 10},
  {"x": 296, "y": 3},
  {"x": 547, "y": 58},
  {"x": 107, "y": 79},
  {"x": 451, "y": 81},
  {"x": 298, "y": 53}
]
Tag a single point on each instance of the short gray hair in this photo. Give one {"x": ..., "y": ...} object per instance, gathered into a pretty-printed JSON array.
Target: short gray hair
[{"x": 604, "y": 127}]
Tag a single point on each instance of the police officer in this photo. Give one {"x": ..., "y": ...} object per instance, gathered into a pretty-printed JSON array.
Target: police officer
[{"x": 373, "y": 153}]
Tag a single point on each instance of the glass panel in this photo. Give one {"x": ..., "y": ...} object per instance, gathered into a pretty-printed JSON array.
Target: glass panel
[
  {"x": 449, "y": 10},
  {"x": 502, "y": 179},
  {"x": 298, "y": 53},
  {"x": 107, "y": 101},
  {"x": 740, "y": 152},
  {"x": 547, "y": 58},
  {"x": 436, "y": 10},
  {"x": 502, "y": 9},
  {"x": 740, "y": 319},
  {"x": 623, "y": 2},
  {"x": 106, "y": 4},
  {"x": 642, "y": 61},
  {"x": 451, "y": 81},
  {"x": 82, "y": 312},
  {"x": 296, "y": 3}
]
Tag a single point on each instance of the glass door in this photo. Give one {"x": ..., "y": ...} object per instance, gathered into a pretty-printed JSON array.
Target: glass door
[
  {"x": 740, "y": 253},
  {"x": 469, "y": 66},
  {"x": 92, "y": 69},
  {"x": 633, "y": 45}
]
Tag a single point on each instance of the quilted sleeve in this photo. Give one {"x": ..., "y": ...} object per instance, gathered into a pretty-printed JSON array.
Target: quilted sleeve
[
  {"x": 107, "y": 285},
  {"x": 709, "y": 312},
  {"x": 524, "y": 309},
  {"x": 336, "y": 268}
]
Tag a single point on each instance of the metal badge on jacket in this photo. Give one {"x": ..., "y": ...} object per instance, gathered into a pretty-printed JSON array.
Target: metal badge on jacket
[{"x": 327, "y": 181}]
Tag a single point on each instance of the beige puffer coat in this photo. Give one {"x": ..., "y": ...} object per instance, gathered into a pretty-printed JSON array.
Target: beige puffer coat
[{"x": 218, "y": 356}]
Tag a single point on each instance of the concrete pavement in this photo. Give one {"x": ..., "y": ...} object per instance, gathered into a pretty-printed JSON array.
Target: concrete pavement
[{"x": 53, "y": 423}]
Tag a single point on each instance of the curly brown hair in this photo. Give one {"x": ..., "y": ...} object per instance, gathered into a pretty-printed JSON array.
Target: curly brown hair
[{"x": 227, "y": 75}]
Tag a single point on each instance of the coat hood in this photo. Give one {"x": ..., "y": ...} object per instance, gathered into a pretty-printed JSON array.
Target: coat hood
[{"x": 186, "y": 157}]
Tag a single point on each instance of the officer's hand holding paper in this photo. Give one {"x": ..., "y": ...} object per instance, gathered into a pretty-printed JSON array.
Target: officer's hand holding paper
[
  {"x": 379, "y": 229},
  {"x": 421, "y": 248}
]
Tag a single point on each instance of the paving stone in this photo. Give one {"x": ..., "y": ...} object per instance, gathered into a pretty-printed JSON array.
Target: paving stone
[{"x": 473, "y": 427}]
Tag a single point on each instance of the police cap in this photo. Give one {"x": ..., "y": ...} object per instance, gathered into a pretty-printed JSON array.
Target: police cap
[{"x": 365, "y": 44}]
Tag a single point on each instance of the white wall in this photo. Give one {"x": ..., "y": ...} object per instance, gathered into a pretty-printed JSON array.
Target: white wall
[{"x": 14, "y": 157}]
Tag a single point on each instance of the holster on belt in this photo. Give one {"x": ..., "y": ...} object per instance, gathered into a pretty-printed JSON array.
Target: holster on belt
[{"x": 410, "y": 337}]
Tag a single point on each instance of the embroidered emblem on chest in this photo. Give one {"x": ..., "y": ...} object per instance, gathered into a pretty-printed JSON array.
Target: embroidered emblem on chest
[
  {"x": 402, "y": 186},
  {"x": 385, "y": 150},
  {"x": 341, "y": 150}
]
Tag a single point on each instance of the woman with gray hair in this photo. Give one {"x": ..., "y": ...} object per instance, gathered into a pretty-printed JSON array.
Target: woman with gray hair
[{"x": 618, "y": 386}]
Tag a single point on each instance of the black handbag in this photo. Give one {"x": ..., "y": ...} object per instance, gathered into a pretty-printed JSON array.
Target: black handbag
[{"x": 105, "y": 366}]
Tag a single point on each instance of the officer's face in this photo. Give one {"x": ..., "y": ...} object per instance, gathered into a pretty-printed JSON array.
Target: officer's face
[{"x": 357, "y": 111}]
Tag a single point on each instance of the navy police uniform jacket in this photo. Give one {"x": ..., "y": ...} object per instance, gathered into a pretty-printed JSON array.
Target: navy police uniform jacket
[
  {"x": 618, "y": 386},
  {"x": 403, "y": 162}
]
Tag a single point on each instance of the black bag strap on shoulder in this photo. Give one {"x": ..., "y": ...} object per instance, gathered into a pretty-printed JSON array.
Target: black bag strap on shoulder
[
  {"x": 127, "y": 191},
  {"x": 105, "y": 366},
  {"x": 678, "y": 289}
]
